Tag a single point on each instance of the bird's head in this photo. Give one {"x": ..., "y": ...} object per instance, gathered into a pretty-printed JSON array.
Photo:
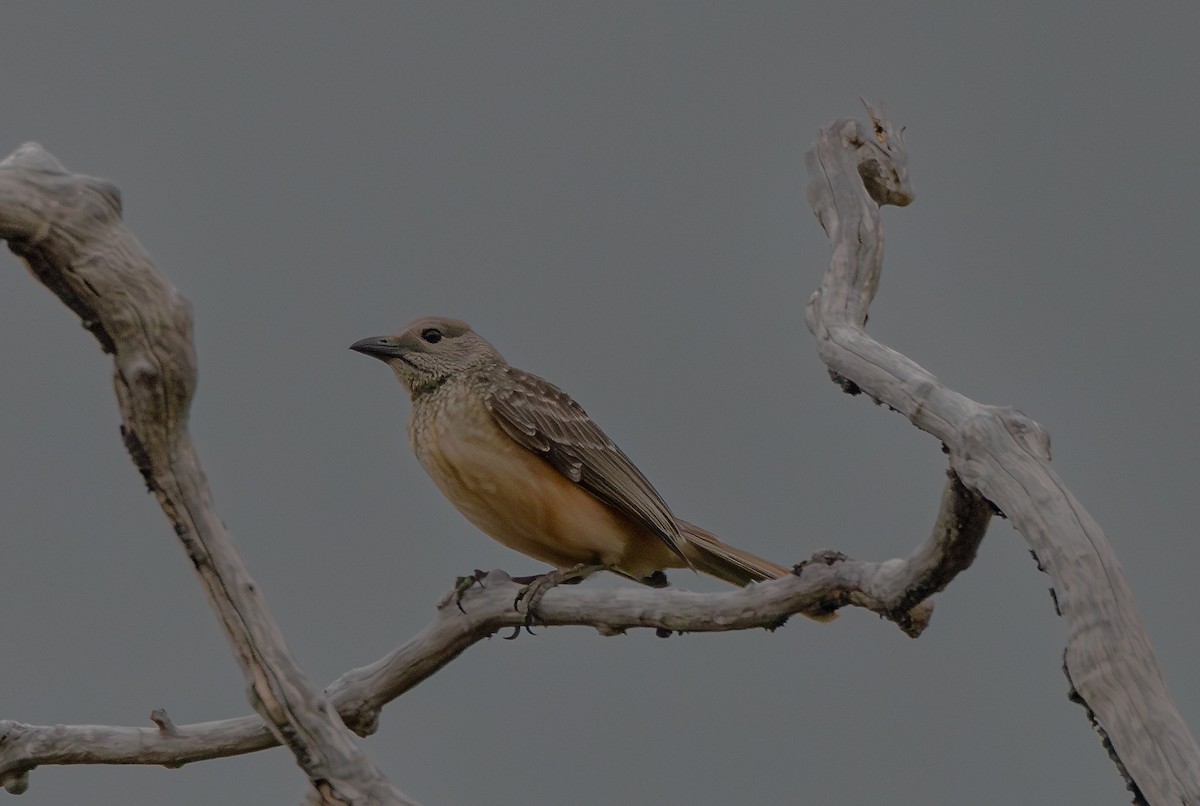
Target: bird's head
[{"x": 430, "y": 351}]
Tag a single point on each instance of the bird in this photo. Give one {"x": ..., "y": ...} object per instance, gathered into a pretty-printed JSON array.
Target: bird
[{"x": 526, "y": 465}]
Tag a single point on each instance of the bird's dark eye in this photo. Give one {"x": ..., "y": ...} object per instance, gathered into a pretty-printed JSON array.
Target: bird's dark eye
[{"x": 431, "y": 335}]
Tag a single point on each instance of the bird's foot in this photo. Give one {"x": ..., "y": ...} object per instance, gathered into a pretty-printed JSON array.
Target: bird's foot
[
  {"x": 536, "y": 587},
  {"x": 461, "y": 586}
]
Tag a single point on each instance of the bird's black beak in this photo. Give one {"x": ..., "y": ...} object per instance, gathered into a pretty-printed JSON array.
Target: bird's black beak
[{"x": 380, "y": 347}]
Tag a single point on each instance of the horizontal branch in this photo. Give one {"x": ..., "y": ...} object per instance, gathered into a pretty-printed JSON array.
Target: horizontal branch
[{"x": 827, "y": 582}]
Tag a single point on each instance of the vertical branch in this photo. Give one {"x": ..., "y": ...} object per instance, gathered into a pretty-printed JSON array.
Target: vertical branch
[
  {"x": 1004, "y": 456},
  {"x": 67, "y": 229}
]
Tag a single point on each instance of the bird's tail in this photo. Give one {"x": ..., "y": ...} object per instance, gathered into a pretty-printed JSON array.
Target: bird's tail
[{"x": 708, "y": 554}]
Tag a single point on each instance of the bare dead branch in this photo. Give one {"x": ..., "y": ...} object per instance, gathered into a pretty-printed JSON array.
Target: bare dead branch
[
  {"x": 1002, "y": 455},
  {"x": 67, "y": 229},
  {"x": 824, "y": 583},
  {"x": 962, "y": 521}
]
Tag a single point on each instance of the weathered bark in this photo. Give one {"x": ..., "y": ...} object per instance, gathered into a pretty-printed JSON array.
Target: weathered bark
[
  {"x": 1003, "y": 455},
  {"x": 359, "y": 695},
  {"x": 67, "y": 230}
]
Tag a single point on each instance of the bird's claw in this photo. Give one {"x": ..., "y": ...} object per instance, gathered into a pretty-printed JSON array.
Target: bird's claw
[
  {"x": 533, "y": 588},
  {"x": 537, "y": 586},
  {"x": 531, "y": 594},
  {"x": 461, "y": 586},
  {"x": 517, "y": 630}
]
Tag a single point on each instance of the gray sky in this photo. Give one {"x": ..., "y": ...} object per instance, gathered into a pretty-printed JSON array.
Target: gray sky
[{"x": 613, "y": 194}]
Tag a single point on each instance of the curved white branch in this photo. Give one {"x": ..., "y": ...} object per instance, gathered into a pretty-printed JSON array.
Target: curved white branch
[
  {"x": 1003, "y": 455},
  {"x": 67, "y": 229}
]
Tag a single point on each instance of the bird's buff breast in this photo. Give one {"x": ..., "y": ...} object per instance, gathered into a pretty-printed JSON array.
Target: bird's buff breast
[{"x": 507, "y": 491}]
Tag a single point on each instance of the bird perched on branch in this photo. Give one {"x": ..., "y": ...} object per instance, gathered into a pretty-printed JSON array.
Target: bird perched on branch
[{"x": 524, "y": 463}]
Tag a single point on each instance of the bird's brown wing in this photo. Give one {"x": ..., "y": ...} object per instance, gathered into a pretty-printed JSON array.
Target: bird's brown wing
[{"x": 544, "y": 419}]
